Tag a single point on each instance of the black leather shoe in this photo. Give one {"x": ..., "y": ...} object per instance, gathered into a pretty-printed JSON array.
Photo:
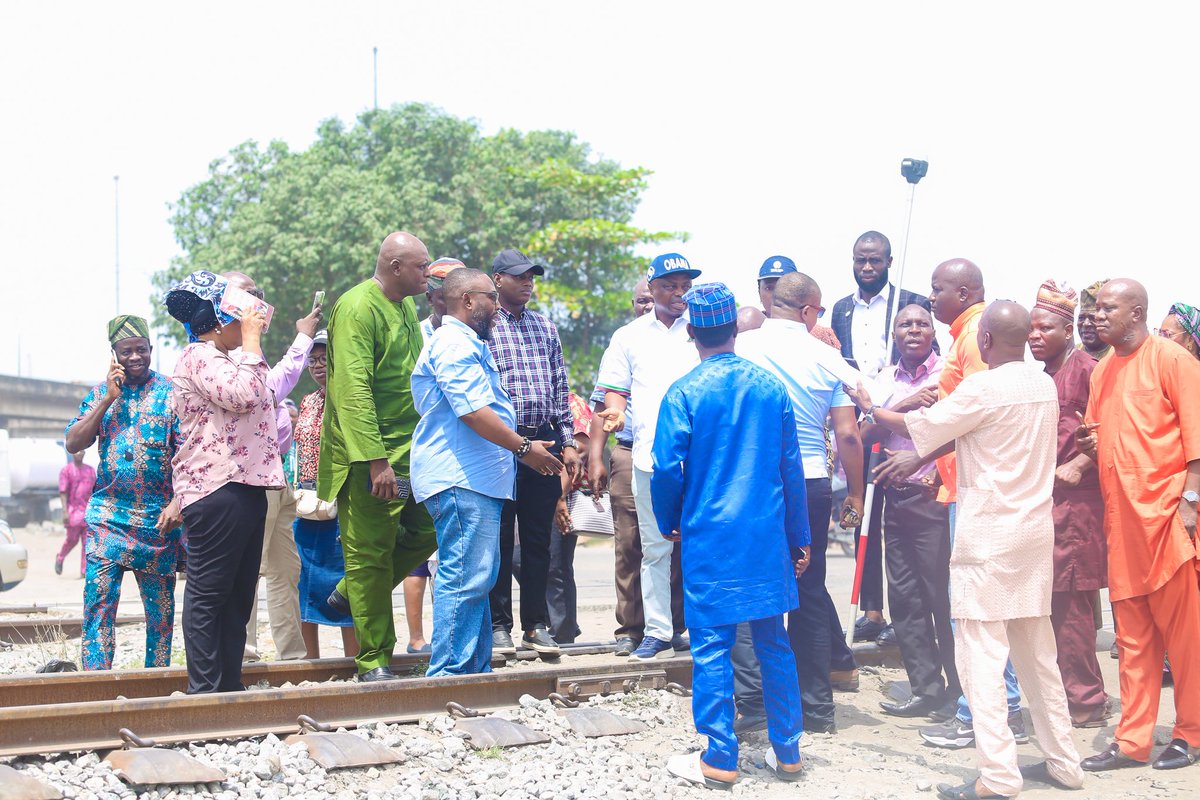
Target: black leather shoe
[
  {"x": 377, "y": 674},
  {"x": 964, "y": 792},
  {"x": 813, "y": 726},
  {"x": 912, "y": 707},
  {"x": 866, "y": 629},
  {"x": 887, "y": 637},
  {"x": 541, "y": 642},
  {"x": 1111, "y": 758},
  {"x": 1177, "y": 754},
  {"x": 680, "y": 643},
  {"x": 502, "y": 643},
  {"x": 945, "y": 712},
  {"x": 338, "y": 602},
  {"x": 625, "y": 646},
  {"x": 748, "y": 723}
]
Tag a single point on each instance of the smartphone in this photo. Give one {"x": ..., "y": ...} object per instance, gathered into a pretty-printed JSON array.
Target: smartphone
[{"x": 318, "y": 300}]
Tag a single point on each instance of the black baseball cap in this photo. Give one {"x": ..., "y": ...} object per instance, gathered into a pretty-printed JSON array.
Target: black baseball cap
[{"x": 514, "y": 262}]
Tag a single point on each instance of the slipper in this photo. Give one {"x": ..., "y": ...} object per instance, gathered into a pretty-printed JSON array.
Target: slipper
[
  {"x": 964, "y": 792},
  {"x": 687, "y": 766},
  {"x": 772, "y": 762},
  {"x": 426, "y": 648}
]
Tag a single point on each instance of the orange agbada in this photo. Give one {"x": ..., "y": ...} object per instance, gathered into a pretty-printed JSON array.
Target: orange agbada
[
  {"x": 1148, "y": 407},
  {"x": 962, "y": 360}
]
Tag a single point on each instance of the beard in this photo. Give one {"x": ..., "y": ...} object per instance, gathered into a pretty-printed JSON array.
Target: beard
[
  {"x": 875, "y": 286},
  {"x": 482, "y": 325}
]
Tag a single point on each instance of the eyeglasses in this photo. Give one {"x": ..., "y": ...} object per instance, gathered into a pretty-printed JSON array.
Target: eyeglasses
[
  {"x": 1166, "y": 334},
  {"x": 314, "y": 361},
  {"x": 820, "y": 309},
  {"x": 494, "y": 296}
]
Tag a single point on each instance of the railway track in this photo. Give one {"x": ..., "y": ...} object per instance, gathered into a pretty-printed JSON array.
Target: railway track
[
  {"x": 57, "y": 725},
  {"x": 28, "y": 630}
]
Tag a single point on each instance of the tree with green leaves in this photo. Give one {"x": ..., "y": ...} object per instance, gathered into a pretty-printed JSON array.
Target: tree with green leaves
[{"x": 299, "y": 221}]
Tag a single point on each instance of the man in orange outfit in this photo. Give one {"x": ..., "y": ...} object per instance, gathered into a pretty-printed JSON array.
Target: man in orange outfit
[{"x": 1143, "y": 431}]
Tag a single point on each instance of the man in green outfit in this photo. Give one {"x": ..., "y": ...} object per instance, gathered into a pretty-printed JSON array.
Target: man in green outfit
[{"x": 374, "y": 341}]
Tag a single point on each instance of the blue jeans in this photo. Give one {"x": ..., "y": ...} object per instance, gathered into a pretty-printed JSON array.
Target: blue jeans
[
  {"x": 1010, "y": 677},
  {"x": 712, "y": 690},
  {"x": 468, "y": 536}
]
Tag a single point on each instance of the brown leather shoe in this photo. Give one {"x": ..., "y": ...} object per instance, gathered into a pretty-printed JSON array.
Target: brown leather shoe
[{"x": 844, "y": 680}]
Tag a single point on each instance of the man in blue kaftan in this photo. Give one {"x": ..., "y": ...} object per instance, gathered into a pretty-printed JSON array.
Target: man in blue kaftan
[{"x": 728, "y": 483}]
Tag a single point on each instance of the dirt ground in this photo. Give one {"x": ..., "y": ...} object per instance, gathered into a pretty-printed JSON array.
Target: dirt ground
[{"x": 871, "y": 756}]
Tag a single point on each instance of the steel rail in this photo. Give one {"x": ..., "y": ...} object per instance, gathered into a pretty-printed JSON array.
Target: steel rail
[
  {"x": 90, "y": 687},
  {"x": 32, "y": 730},
  {"x": 29, "y": 630}
]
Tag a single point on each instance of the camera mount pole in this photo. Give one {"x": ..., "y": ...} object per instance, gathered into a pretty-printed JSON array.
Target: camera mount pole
[{"x": 913, "y": 170}]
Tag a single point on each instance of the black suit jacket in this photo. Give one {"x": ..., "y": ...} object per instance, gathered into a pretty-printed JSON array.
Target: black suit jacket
[{"x": 843, "y": 315}]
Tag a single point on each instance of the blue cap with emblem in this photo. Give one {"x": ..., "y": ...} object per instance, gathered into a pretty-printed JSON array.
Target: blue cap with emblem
[
  {"x": 711, "y": 305},
  {"x": 669, "y": 264},
  {"x": 776, "y": 267}
]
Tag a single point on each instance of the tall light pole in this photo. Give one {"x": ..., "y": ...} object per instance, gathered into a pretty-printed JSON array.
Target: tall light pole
[
  {"x": 375, "y": 75},
  {"x": 117, "y": 240}
]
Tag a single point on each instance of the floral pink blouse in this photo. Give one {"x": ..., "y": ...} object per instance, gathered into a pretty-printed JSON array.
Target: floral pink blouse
[{"x": 226, "y": 423}]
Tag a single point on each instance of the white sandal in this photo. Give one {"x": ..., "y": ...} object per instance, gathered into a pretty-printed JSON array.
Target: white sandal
[{"x": 687, "y": 766}]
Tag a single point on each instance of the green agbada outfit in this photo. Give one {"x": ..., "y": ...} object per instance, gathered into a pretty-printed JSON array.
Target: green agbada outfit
[{"x": 369, "y": 414}]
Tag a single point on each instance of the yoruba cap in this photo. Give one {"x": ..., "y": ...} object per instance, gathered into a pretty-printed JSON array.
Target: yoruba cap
[
  {"x": 669, "y": 264},
  {"x": 1189, "y": 318},
  {"x": 776, "y": 267},
  {"x": 711, "y": 305},
  {"x": 1087, "y": 298},
  {"x": 321, "y": 337},
  {"x": 514, "y": 262},
  {"x": 435, "y": 276},
  {"x": 1057, "y": 299},
  {"x": 127, "y": 326}
]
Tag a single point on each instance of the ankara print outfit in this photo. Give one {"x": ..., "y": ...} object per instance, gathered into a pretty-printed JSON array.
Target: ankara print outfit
[{"x": 137, "y": 440}]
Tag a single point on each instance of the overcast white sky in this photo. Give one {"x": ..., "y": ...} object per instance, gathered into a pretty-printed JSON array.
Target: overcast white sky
[{"x": 1061, "y": 137}]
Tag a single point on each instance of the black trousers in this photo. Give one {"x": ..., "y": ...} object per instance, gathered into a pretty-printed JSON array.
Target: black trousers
[
  {"x": 870, "y": 596},
  {"x": 917, "y": 528},
  {"x": 535, "y": 497},
  {"x": 224, "y": 544},
  {"x": 814, "y": 628}
]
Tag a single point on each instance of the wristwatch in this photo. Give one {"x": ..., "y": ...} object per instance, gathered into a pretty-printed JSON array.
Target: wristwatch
[
  {"x": 570, "y": 443},
  {"x": 1192, "y": 497},
  {"x": 869, "y": 416}
]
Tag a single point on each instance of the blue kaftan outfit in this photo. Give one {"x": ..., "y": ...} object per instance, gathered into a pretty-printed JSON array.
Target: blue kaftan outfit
[{"x": 727, "y": 476}]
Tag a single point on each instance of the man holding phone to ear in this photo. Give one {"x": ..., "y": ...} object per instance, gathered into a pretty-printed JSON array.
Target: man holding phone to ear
[{"x": 280, "y": 563}]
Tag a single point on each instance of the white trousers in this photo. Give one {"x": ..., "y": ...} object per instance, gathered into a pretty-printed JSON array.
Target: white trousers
[
  {"x": 656, "y": 563},
  {"x": 981, "y": 649},
  {"x": 281, "y": 568}
]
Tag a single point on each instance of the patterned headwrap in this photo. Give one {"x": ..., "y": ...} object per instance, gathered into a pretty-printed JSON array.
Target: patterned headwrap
[
  {"x": 195, "y": 302},
  {"x": 1087, "y": 298},
  {"x": 1057, "y": 299},
  {"x": 127, "y": 326},
  {"x": 1189, "y": 318},
  {"x": 435, "y": 276}
]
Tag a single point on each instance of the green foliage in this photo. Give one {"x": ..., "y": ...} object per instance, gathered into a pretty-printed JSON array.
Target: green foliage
[{"x": 301, "y": 221}]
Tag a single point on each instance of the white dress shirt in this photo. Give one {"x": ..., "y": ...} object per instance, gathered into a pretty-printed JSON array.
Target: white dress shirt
[{"x": 868, "y": 331}]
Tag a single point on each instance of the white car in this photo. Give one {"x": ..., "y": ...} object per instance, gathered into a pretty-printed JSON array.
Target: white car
[{"x": 14, "y": 559}]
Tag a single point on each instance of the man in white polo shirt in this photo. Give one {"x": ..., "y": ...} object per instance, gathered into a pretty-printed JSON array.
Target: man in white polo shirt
[
  {"x": 810, "y": 370},
  {"x": 642, "y": 361}
]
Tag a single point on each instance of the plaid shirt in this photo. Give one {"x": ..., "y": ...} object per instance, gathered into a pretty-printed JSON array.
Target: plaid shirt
[{"x": 530, "y": 358}]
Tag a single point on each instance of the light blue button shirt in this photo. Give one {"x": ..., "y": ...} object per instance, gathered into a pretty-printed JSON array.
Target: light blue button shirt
[{"x": 455, "y": 375}]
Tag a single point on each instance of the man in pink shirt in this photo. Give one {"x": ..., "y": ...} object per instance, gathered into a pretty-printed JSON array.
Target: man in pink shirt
[
  {"x": 75, "y": 484},
  {"x": 280, "y": 561}
]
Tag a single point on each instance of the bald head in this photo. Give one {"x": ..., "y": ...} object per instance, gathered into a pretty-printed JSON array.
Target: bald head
[
  {"x": 1003, "y": 331},
  {"x": 239, "y": 279},
  {"x": 797, "y": 298},
  {"x": 1120, "y": 317},
  {"x": 400, "y": 268},
  {"x": 749, "y": 318},
  {"x": 955, "y": 286}
]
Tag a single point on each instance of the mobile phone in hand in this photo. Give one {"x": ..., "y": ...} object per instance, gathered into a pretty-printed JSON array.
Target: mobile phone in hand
[{"x": 318, "y": 300}]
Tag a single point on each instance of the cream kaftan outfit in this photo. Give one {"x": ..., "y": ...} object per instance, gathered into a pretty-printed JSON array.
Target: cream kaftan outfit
[{"x": 1004, "y": 423}]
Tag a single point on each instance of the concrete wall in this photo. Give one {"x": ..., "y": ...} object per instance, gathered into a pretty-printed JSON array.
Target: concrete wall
[{"x": 31, "y": 407}]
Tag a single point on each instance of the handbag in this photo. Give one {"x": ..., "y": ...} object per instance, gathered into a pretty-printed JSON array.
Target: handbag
[
  {"x": 309, "y": 506},
  {"x": 590, "y": 516}
]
